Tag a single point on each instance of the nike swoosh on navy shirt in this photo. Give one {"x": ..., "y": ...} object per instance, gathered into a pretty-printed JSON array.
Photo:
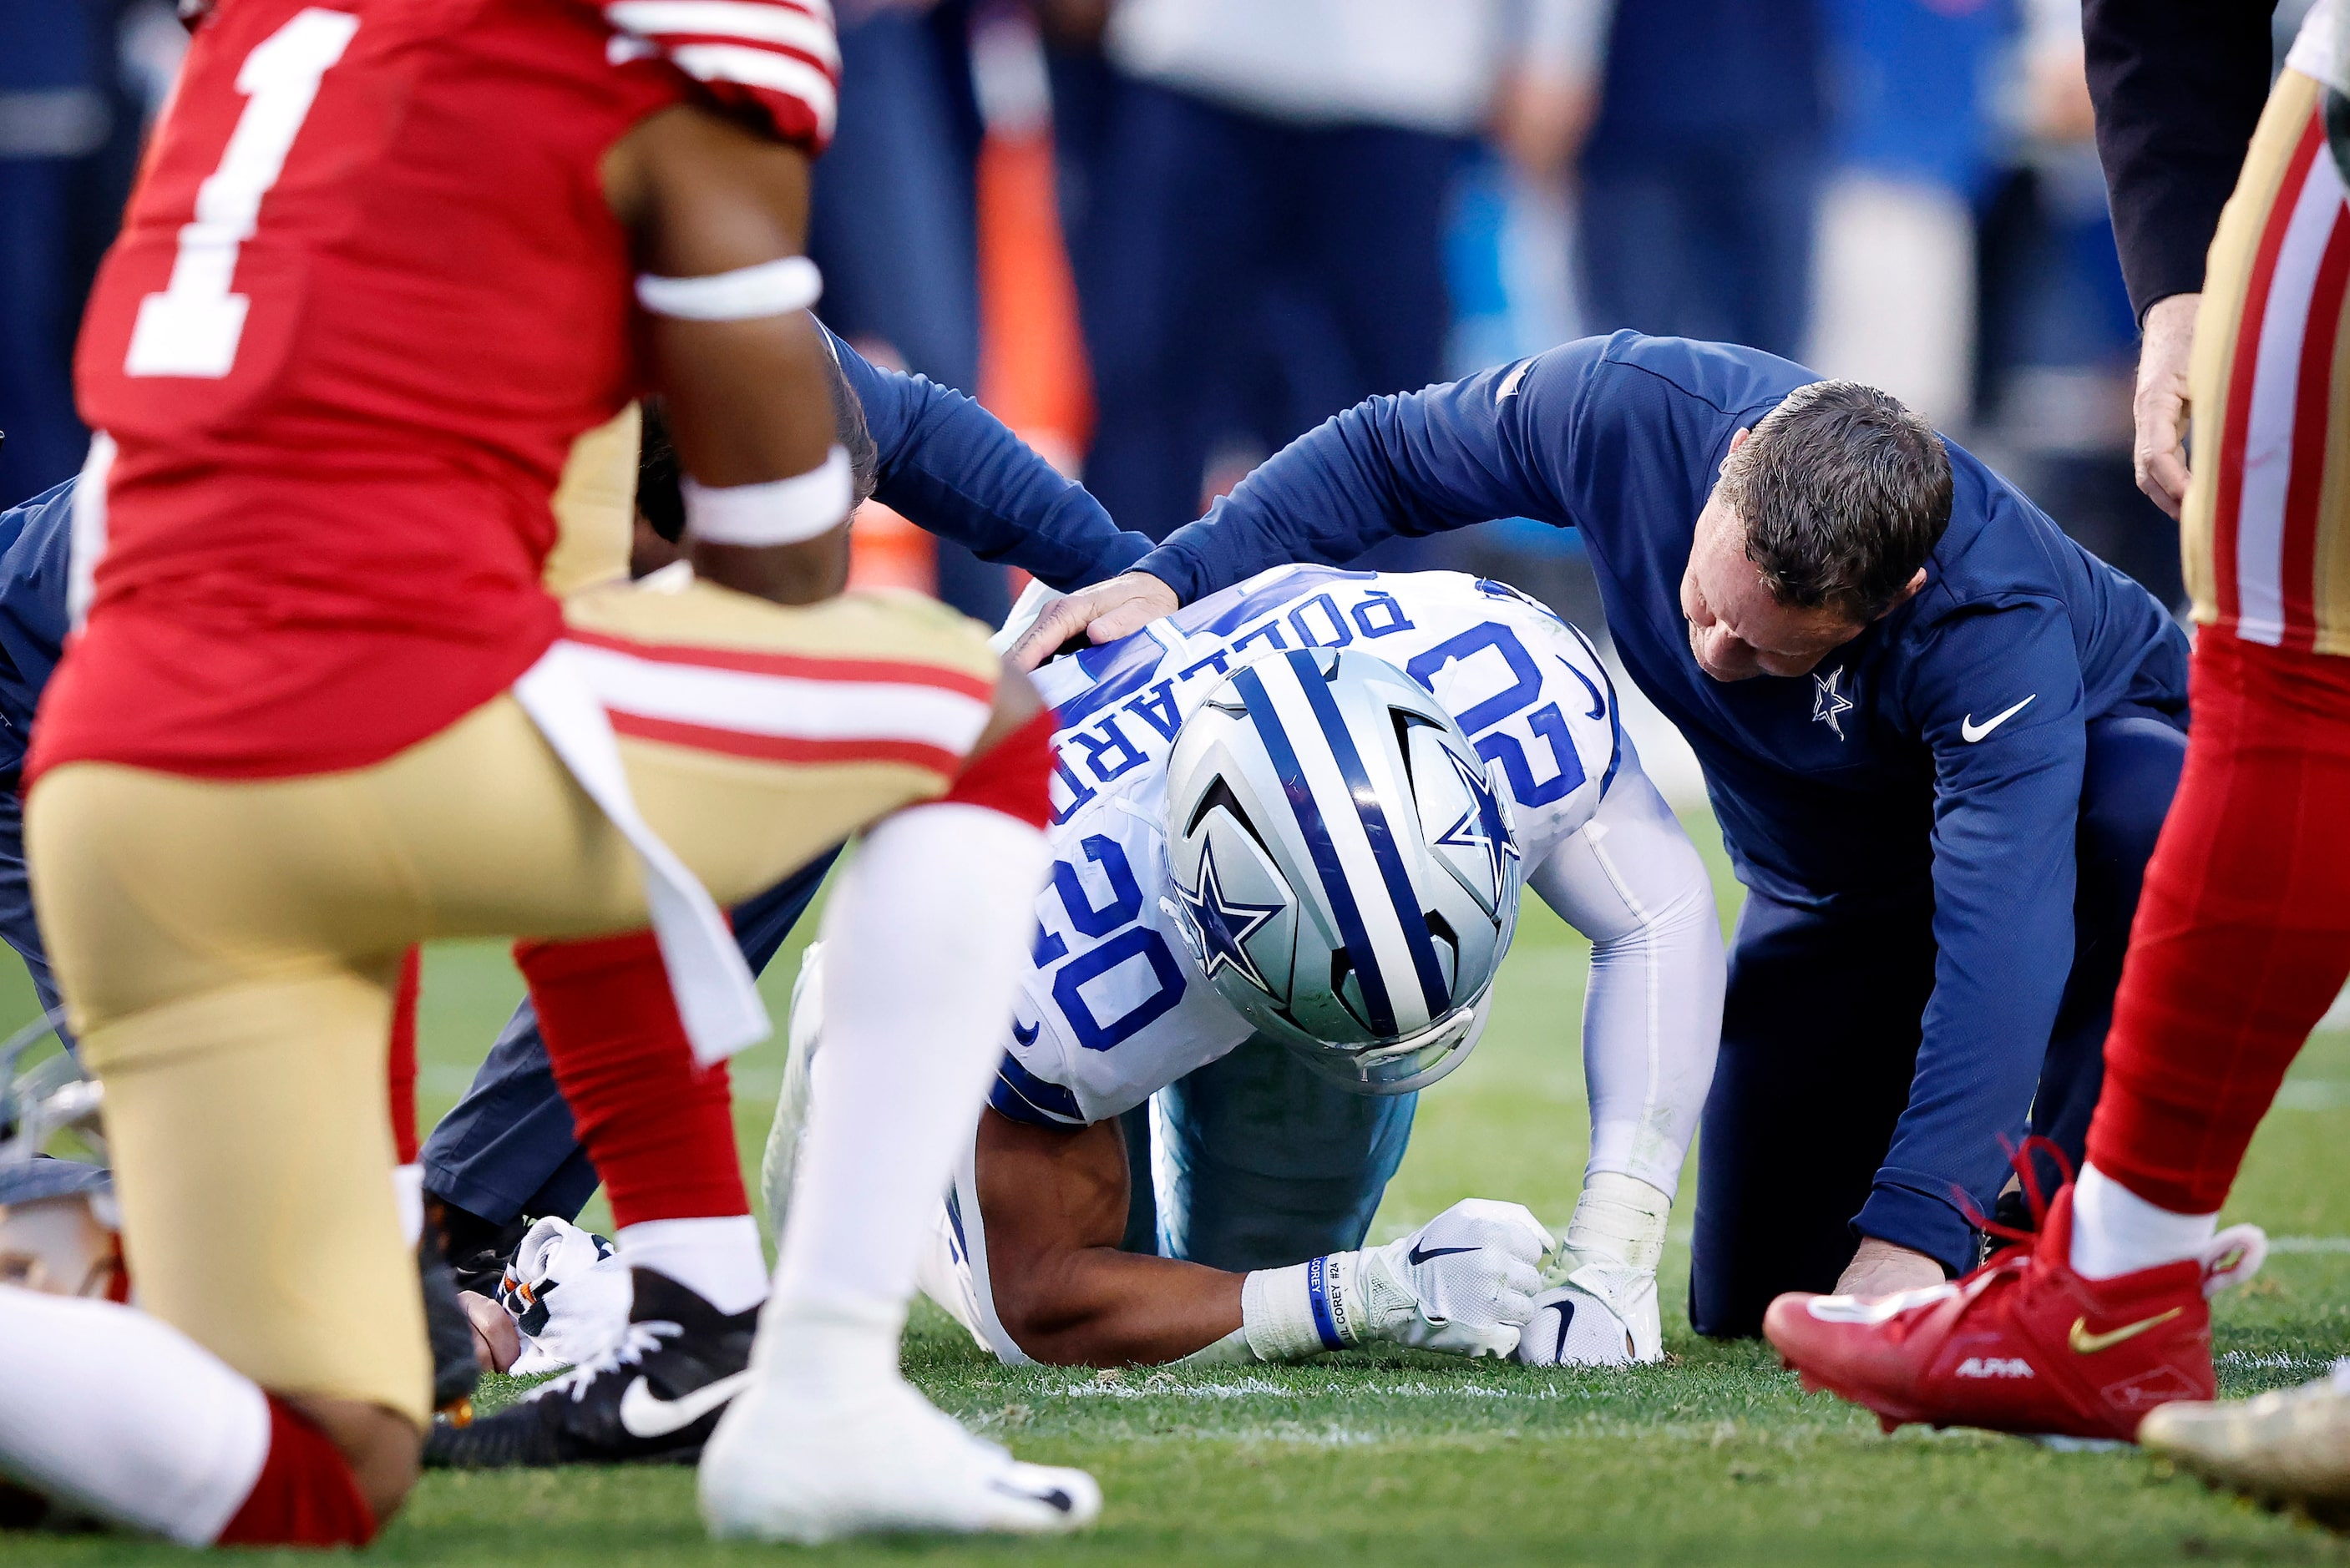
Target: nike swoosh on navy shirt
[{"x": 1974, "y": 731}]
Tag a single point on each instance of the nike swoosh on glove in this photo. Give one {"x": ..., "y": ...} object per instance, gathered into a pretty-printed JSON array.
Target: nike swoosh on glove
[
  {"x": 1604, "y": 1315},
  {"x": 1463, "y": 1284}
]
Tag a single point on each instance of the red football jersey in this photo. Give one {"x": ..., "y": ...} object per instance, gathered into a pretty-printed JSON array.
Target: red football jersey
[{"x": 367, "y": 295}]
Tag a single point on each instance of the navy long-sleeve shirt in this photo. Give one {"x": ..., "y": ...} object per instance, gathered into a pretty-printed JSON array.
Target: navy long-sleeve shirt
[
  {"x": 1888, "y": 765},
  {"x": 944, "y": 463},
  {"x": 949, "y": 466}
]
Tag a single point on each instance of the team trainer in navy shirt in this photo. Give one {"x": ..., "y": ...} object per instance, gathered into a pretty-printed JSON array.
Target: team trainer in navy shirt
[{"x": 1941, "y": 738}]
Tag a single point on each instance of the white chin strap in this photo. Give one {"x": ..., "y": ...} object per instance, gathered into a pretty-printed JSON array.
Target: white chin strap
[
  {"x": 746, "y": 294},
  {"x": 779, "y": 512}
]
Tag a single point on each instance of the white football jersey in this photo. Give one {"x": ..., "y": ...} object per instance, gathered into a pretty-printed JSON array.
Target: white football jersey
[{"x": 1113, "y": 1008}]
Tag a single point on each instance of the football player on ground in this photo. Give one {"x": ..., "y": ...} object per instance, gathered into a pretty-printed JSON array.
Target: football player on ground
[
  {"x": 1940, "y": 736},
  {"x": 1293, "y": 822},
  {"x": 323, "y": 707},
  {"x": 2101, "y": 1328}
]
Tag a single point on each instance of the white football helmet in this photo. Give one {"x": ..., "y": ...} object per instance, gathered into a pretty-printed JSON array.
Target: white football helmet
[
  {"x": 1342, "y": 867},
  {"x": 58, "y": 1219}
]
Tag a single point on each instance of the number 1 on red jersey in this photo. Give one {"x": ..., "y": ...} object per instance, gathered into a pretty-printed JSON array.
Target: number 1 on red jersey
[{"x": 192, "y": 327}]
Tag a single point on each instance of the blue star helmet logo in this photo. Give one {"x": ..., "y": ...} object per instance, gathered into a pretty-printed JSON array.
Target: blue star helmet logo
[
  {"x": 1224, "y": 924},
  {"x": 1481, "y": 826}
]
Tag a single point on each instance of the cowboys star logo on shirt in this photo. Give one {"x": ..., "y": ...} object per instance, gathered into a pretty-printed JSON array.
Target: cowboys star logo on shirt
[{"x": 1828, "y": 704}]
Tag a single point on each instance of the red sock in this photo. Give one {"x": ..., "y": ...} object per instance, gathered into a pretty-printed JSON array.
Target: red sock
[
  {"x": 1013, "y": 776},
  {"x": 305, "y": 1494},
  {"x": 2243, "y": 938},
  {"x": 659, "y": 1129},
  {"x": 401, "y": 1061}
]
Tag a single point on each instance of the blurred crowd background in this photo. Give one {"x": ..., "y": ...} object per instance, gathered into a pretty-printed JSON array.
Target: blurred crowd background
[{"x": 1160, "y": 238}]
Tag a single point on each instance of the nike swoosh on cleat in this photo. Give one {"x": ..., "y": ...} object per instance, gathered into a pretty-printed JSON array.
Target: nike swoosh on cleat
[
  {"x": 1419, "y": 1254},
  {"x": 2084, "y": 1343},
  {"x": 1565, "y": 1310},
  {"x": 1055, "y": 1499},
  {"x": 645, "y": 1414},
  {"x": 1974, "y": 731}
]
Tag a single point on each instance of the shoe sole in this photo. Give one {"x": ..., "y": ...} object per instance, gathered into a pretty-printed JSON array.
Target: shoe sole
[
  {"x": 1892, "y": 1416},
  {"x": 2331, "y": 1513},
  {"x": 689, "y": 1454}
]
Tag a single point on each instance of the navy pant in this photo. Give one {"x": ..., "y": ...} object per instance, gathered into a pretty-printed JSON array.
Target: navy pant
[
  {"x": 1239, "y": 275},
  {"x": 1820, "y": 1036},
  {"x": 17, "y": 928},
  {"x": 892, "y": 223},
  {"x": 1707, "y": 243}
]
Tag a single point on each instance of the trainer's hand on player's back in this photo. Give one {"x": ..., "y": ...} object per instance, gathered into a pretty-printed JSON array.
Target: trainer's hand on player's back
[
  {"x": 1105, "y": 612},
  {"x": 1882, "y": 1268},
  {"x": 2159, "y": 406}
]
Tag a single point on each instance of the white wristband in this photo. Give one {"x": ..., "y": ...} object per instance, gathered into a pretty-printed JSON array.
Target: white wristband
[
  {"x": 1303, "y": 1310},
  {"x": 746, "y": 294},
  {"x": 780, "y": 512},
  {"x": 1620, "y": 1217}
]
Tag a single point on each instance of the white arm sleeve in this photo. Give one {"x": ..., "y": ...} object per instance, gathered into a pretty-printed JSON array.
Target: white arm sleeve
[{"x": 1631, "y": 881}]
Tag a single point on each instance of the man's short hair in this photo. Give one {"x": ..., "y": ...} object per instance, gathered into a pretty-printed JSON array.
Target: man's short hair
[
  {"x": 1843, "y": 494},
  {"x": 656, "y": 473}
]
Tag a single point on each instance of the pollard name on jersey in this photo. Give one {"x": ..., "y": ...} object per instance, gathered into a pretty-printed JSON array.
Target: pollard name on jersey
[{"x": 1113, "y": 1008}]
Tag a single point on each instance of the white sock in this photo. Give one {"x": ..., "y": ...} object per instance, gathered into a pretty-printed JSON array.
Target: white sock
[
  {"x": 2116, "y": 1232},
  {"x": 124, "y": 1417},
  {"x": 408, "y": 1190},
  {"x": 924, "y": 939},
  {"x": 829, "y": 1350},
  {"x": 718, "y": 1260}
]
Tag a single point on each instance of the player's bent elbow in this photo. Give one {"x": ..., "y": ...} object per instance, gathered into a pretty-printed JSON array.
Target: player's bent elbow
[{"x": 1051, "y": 1321}]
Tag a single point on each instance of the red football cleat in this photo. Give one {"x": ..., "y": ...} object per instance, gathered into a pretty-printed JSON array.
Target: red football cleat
[{"x": 2023, "y": 1343}]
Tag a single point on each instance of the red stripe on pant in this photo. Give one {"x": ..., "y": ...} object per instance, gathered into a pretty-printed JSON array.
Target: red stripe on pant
[
  {"x": 659, "y": 1129},
  {"x": 401, "y": 1060},
  {"x": 2229, "y": 495},
  {"x": 2242, "y": 936},
  {"x": 2313, "y": 414}
]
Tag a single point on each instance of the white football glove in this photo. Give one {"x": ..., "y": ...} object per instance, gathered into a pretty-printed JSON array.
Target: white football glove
[
  {"x": 1604, "y": 1315},
  {"x": 569, "y": 1294},
  {"x": 1463, "y": 1284}
]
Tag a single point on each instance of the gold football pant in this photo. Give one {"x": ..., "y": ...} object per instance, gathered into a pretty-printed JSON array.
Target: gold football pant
[
  {"x": 227, "y": 948},
  {"x": 2267, "y": 522}
]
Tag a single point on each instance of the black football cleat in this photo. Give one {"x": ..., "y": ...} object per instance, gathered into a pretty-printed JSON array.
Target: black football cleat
[
  {"x": 456, "y": 1366},
  {"x": 653, "y": 1398}
]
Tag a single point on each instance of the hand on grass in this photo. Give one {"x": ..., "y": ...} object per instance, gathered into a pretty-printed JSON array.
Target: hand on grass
[{"x": 1881, "y": 1268}]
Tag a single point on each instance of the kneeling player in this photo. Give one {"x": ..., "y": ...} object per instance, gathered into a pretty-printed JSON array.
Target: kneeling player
[
  {"x": 324, "y": 708},
  {"x": 1293, "y": 824}
]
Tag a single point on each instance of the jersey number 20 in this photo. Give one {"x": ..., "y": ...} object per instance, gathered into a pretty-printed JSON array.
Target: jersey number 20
[{"x": 192, "y": 327}]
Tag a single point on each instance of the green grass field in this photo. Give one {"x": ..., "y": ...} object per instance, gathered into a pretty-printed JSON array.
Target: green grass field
[{"x": 1715, "y": 1457}]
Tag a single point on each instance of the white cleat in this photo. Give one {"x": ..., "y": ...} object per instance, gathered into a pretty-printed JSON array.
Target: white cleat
[{"x": 781, "y": 1469}]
